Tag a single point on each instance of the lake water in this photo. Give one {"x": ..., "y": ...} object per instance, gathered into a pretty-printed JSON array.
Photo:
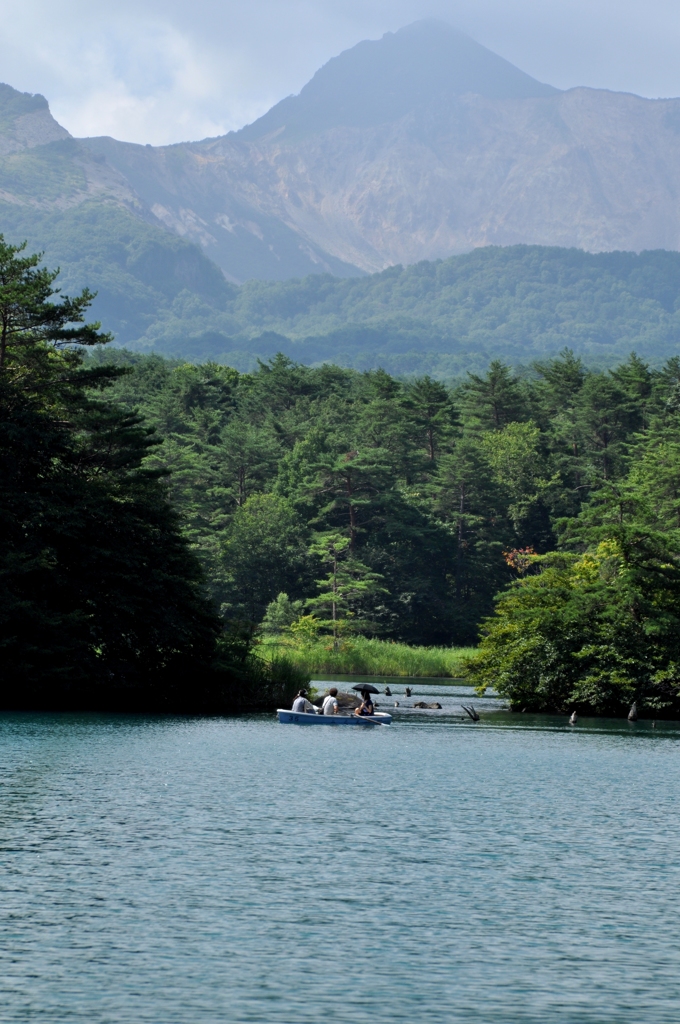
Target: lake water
[{"x": 237, "y": 870}]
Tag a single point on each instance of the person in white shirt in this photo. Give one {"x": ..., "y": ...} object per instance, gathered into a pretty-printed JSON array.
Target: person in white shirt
[
  {"x": 330, "y": 705},
  {"x": 301, "y": 704}
]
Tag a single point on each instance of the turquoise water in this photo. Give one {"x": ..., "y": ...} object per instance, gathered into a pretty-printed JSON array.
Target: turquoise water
[{"x": 238, "y": 870}]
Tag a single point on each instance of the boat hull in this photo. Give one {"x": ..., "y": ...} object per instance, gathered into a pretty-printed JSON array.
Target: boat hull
[{"x": 309, "y": 718}]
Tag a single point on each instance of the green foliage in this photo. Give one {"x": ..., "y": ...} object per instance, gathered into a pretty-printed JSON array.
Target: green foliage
[
  {"x": 348, "y": 583},
  {"x": 518, "y": 465},
  {"x": 434, "y": 414},
  {"x": 28, "y": 318},
  {"x": 597, "y": 626},
  {"x": 253, "y": 683},
  {"x": 263, "y": 551},
  {"x": 387, "y": 507},
  {"x": 48, "y": 172},
  {"x": 410, "y": 506},
  {"x": 142, "y": 274},
  {"x": 281, "y": 613},
  {"x": 493, "y": 400},
  {"x": 591, "y": 633},
  {"x": 474, "y": 510}
]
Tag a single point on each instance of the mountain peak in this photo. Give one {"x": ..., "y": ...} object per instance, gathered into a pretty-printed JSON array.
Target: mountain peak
[
  {"x": 26, "y": 121},
  {"x": 378, "y": 81},
  {"x": 14, "y": 103}
]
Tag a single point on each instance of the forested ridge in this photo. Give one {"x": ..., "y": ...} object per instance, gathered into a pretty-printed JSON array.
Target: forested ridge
[
  {"x": 442, "y": 317},
  {"x": 361, "y": 503},
  {"x": 157, "y": 293}
]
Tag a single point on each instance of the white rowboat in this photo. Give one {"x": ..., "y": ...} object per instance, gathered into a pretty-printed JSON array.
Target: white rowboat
[{"x": 309, "y": 718}]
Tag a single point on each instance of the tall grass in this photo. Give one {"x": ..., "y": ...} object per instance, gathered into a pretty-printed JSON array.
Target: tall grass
[{"x": 362, "y": 656}]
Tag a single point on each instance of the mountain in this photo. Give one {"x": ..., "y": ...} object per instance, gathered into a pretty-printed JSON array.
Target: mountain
[
  {"x": 25, "y": 121},
  {"x": 420, "y": 146},
  {"x": 380, "y": 82},
  {"x": 310, "y": 186}
]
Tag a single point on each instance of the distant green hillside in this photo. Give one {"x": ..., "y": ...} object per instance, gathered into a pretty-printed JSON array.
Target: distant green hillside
[
  {"x": 159, "y": 292},
  {"x": 138, "y": 270},
  {"x": 517, "y": 303}
]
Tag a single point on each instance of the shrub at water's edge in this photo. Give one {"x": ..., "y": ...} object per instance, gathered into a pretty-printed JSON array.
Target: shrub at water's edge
[
  {"x": 247, "y": 683},
  {"x": 366, "y": 656},
  {"x": 593, "y": 633}
]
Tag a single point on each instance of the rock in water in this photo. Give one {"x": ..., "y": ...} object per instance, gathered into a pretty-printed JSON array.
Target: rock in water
[{"x": 345, "y": 700}]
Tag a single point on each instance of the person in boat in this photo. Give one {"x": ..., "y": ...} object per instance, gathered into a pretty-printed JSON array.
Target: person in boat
[
  {"x": 330, "y": 704},
  {"x": 366, "y": 707},
  {"x": 301, "y": 704}
]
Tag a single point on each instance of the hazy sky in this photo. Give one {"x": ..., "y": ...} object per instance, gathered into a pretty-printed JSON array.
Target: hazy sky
[{"x": 167, "y": 70}]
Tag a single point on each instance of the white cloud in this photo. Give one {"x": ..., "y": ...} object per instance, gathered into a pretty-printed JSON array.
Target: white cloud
[{"x": 166, "y": 70}]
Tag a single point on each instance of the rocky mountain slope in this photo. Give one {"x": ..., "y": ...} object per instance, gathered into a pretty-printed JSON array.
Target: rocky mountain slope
[{"x": 70, "y": 203}]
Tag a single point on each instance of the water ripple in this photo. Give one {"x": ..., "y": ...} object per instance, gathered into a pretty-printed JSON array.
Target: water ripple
[{"x": 178, "y": 872}]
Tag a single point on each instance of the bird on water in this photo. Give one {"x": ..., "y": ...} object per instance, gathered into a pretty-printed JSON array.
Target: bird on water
[
  {"x": 574, "y": 718},
  {"x": 632, "y": 714}
]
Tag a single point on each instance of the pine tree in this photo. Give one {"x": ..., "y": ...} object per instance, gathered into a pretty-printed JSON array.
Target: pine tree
[
  {"x": 434, "y": 415},
  {"x": 352, "y": 489},
  {"x": 346, "y": 587},
  {"x": 492, "y": 401},
  {"x": 28, "y": 317},
  {"x": 472, "y": 505},
  {"x": 101, "y": 600}
]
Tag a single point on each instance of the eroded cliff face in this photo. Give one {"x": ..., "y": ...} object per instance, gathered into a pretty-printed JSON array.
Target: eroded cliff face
[
  {"x": 585, "y": 168},
  {"x": 26, "y": 131},
  {"x": 225, "y": 199},
  {"x": 43, "y": 167}
]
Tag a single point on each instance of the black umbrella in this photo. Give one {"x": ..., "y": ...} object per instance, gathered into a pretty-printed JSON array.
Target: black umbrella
[{"x": 366, "y": 688}]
